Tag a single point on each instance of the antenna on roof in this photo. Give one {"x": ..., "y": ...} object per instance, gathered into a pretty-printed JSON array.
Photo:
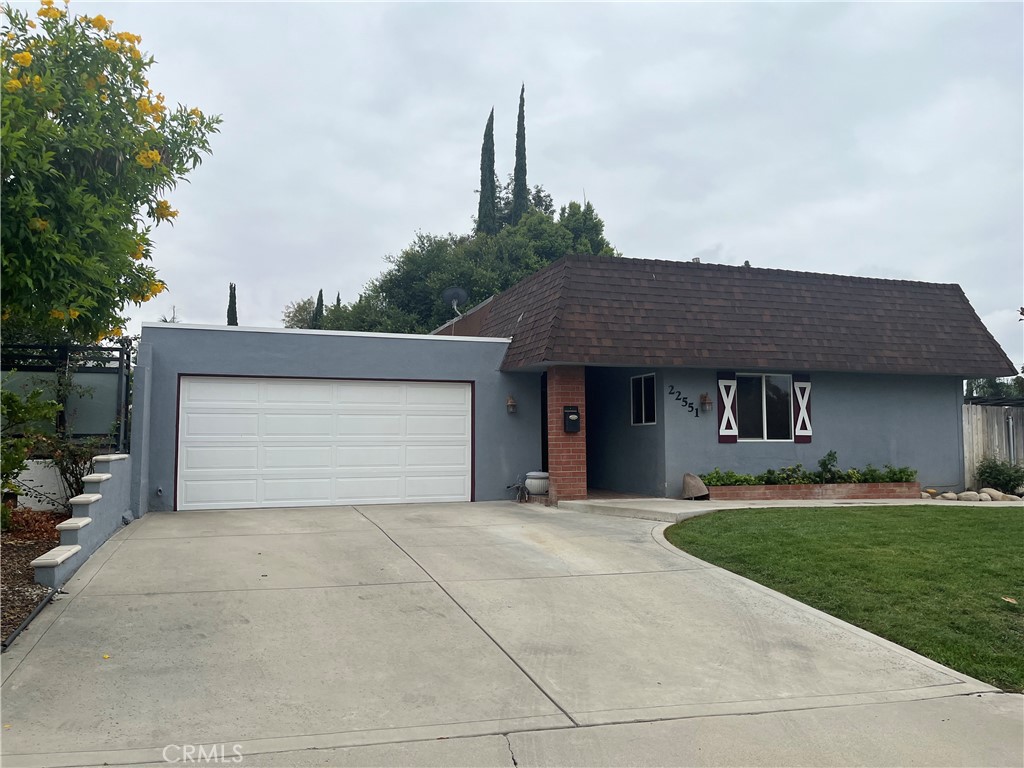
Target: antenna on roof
[{"x": 454, "y": 296}]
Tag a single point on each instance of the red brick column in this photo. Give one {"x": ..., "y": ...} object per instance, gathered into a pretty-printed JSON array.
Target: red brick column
[{"x": 567, "y": 451}]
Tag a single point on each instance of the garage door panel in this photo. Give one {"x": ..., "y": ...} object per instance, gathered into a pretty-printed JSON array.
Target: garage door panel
[
  {"x": 386, "y": 456},
  {"x": 377, "y": 424},
  {"x": 296, "y": 425},
  {"x": 285, "y": 442},
  {"x": 369, "y": 393},
  {"x": 425, "y": 456},
  {"x": 298, "y": 393},
  {"x": 221, "y": 425},
  {"x": 437, "y": 424},
  {"x": 436, "y": 487},
  {"x": 218, "y": 491},
  {"x": 297, "y": 490},
  {"x": 210, "y": 457},
  {"x": 221, "y": 391},
  {"x": 297, "y": 457},
  {"x": 366, "y": 489}
]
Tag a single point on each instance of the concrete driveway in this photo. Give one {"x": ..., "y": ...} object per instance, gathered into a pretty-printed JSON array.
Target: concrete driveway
[{"x": 488, "y": 626}]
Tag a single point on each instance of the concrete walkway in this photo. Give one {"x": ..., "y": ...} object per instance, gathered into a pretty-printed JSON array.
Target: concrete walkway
[{"x": 463, "y": 634}]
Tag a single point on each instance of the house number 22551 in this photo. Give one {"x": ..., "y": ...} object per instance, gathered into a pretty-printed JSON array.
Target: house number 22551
[{"x": 684, "y": 402}]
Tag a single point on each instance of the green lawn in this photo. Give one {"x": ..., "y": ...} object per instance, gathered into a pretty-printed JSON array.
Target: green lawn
[{"x": 930, "y": 578}]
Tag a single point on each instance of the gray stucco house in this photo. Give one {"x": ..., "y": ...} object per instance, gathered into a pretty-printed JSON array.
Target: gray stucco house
[{"x": 667, "y": 367}]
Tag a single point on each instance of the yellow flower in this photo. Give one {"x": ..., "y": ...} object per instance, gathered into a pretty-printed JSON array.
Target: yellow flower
[
  {"x": 6, "y": 314},
  {"x": 111, "y": 45},
  {"x": 90, "y": 84},
  {"x": 39, "y": 225},
  {"x": 139, "y": 252},
  {"x": 22, "y": 59},
  {"x": 37, "y": 83},
  {"x": 164, "y": 211},
  {"x": 104, "y": 98},
  {"x": 31, "y": 24},
  {"x": 49, "y": 13},
  {"x": 12, "y": 86},
  {"x": 15, "y": 71},
  {"x": 148, "y": 158},
  {"x": 136, "y": 53},
  {"x": 74, "y": 313},
  {"x": 102, "y": 79},
  {"x": 195, "y": 112},
  {"x": 128, "y": 37},
  {"x": 46, "y": 3},
  {"x": 100, "y": 22},
  {"x": 116, "y": 332},
  {"x": 56, "y": 314},
  {"x": 156, "y": 287}
]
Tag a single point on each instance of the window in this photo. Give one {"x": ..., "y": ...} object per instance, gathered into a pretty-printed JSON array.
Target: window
[
  {"x": 764, "y": 408},
  {"x": 643, "y": 399}
]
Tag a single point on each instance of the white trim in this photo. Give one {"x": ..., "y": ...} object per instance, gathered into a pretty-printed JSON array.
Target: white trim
[
  {"x": 727, "y": 391},
  {"x": 355, "y": 334}
]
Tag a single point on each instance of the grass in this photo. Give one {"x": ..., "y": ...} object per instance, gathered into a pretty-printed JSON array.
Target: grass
[{"x": 930, "y": 578}]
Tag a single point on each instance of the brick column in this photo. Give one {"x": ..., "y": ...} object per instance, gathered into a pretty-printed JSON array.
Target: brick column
[{"x": 567, "y": 451}]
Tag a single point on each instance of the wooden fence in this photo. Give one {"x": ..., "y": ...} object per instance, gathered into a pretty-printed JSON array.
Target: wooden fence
[{"x": 991, "y": 430}]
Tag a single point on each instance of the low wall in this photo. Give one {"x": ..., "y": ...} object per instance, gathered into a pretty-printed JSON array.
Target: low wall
[{"x": 813, "y": 491}]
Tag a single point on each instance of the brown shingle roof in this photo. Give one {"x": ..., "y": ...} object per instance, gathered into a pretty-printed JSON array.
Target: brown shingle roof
[{"x": 614, "y": 311}]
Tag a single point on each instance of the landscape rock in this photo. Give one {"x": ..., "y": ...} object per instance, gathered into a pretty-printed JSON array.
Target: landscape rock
[
  {"x": 993, "y": 493},
  {"x": 968, "y": 496},
  {"x": 984, "y": 497},
  {"x": 931, "y": 492},
  {"x": 925, "y": 495},
  {"x": 693, "y": 486},
  {"x": 948, "y": 496},
  {"x": 1010, "y": 497}
]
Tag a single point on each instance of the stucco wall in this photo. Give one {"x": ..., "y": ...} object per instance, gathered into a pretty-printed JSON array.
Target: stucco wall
[
  {"x": 900, "y": 420},
  {"x": 506, "y": 445},
  {"x": 621, "y": 456}
]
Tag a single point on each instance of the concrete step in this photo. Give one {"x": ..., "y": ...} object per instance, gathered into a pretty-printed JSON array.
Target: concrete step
[
  {"x": 74, "y": 523},
  {"x": 55, "y": 556}
]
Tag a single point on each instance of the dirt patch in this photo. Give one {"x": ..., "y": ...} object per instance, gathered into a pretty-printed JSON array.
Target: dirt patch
[{"x": 32, "y": 534}]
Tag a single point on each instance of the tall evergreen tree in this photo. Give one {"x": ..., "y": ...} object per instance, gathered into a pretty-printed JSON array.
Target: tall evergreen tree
[
  {"x": 232, "y": 308},
  {"x": 487, "y": 215},
  {"x": 317, "y": 319},
  {"x": 520, "y": 190},
  {"x": 337, "y": 301}
]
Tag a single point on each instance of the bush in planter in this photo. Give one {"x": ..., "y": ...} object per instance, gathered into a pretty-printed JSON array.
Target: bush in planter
[
  {"x": 1001, "y": 475},
  {"x": 828, "y": 472}
]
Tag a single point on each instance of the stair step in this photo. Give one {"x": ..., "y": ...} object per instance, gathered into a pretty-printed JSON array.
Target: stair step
[
  {"x": 97, "y": 477},
  {"x": 74, "y": 524},
  {"x": 85, "y": 498}
]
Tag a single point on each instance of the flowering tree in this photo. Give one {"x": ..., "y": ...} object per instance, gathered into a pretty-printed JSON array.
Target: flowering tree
[{"x": 89, "y": 153}]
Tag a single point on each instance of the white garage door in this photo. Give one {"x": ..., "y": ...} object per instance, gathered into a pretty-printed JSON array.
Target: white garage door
[{"x": 300, "y": 442}]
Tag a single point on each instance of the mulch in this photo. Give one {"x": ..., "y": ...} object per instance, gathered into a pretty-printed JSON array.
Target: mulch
[{"x": 32, "y": 534}]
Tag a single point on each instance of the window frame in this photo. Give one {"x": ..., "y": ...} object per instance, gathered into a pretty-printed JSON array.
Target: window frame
[
  {"x": 764, "y": 410},
  {"x": 643, "y": 400}
]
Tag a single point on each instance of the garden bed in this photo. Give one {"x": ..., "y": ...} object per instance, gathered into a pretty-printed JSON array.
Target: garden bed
[
  {"x": 32, "y": 534},
  {"x": 815, "y": 491}
]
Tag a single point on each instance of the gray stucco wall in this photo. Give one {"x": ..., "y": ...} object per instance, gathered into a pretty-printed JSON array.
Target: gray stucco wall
[
  {"x": 505, "y": 446},
  {"x": 900, "y": 420},
  {"x": 621, "y": 456}
]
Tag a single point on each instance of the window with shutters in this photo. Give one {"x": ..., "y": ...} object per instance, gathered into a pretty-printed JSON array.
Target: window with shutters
[{"x": 764, "y": 406}]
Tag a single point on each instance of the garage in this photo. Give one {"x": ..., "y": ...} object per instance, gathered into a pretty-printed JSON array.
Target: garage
[{"x": 271, "y": 442}]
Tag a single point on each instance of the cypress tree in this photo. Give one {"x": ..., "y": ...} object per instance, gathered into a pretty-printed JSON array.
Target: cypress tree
[
  {"x": 337, "y": 301},
  {"x": 317, "y": 318},
  {"x": 232, "y": 308},
  {"x": 487, "y": 214},
  {"x": 520, "y": 191}
]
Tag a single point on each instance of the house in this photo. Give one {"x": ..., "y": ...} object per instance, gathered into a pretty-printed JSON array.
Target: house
[{"x": 620, "y": 374}]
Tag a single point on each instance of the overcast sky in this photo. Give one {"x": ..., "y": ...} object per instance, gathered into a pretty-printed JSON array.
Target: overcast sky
[{"x": 881, "y": 140}]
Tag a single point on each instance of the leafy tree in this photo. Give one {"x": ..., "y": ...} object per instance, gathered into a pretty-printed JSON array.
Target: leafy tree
[
  {"x": 520, "y": 190},
  {"x": 995, "y": 387},
  {"x": 89, "y": 152},
  {"x": 486, "y": 217},
  {"x": 316, "y": 320},
  {"x": 20, "y": 416},
  {"x": 232, "y": 308},
  {"x": 299, "y": 313}
]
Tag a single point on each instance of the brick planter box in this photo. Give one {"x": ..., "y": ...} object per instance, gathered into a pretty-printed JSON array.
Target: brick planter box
[{"x": 812, "y": 491}]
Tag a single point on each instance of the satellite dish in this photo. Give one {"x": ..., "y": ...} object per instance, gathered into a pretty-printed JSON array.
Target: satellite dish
[{"x": 454, "y": 296}]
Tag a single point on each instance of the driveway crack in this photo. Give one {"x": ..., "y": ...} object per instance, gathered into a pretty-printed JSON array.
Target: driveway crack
[{"x": 513, "y": 754}]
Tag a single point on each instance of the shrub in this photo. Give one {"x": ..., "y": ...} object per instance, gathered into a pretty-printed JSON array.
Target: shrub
[
  {"x": 1001, "y": 475},
  {"x": 718, "y": 477},
  {"x": 899, "y": 474},
  {"x": 828, "y": 472},
  {"x": 5, "y": 517}
]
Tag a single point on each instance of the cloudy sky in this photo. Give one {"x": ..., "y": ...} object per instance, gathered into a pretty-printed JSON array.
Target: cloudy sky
[{"x": 875, "y": 139}]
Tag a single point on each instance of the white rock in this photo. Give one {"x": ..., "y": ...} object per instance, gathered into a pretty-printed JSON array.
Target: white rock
[
  {"x": 984, "y": 497},
  {"x": 925, "y": 495},
  {"x": 968, "y": 496},
  {"x": 993, "y": 493},
  {"x": 1010, "y": 497},
  {"x": 948, "y": 496}
]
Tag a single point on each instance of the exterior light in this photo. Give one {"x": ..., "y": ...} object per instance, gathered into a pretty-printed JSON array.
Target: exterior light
[
  {"x": 511, "y": 405},
  {"x": 706, "y": 403}
]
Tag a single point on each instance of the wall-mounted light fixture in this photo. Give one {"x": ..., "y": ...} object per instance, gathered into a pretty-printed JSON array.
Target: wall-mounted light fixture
[
  {"x": 706, "y": 403},
  {"x": 511, "y": 405}
]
